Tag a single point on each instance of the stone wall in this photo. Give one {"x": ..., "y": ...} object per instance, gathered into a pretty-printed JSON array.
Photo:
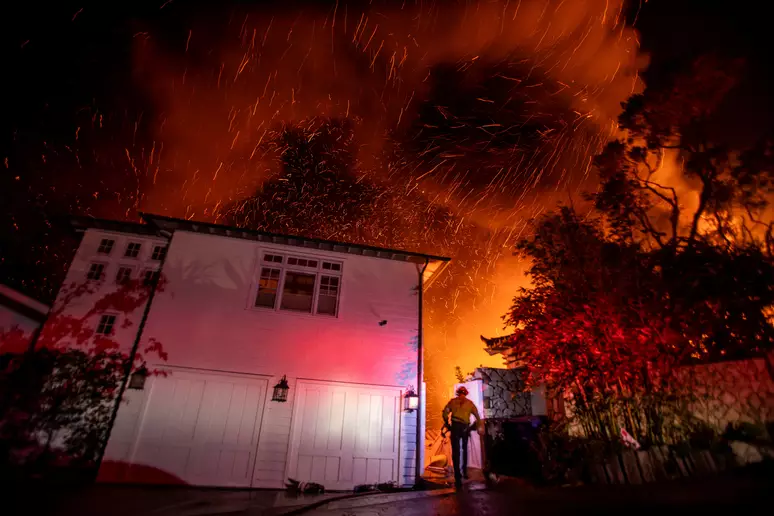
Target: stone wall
[
  {"x": 730, "y": 392},
  {"x": 503, "y": 396}
]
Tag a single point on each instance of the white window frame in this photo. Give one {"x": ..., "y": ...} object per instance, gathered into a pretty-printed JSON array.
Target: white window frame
[
  {"x": 280, "y": 281},
  {"x": 132, "y": 269},
  {"x": 284, "y": 268},
  {"x": 104, "y": 271},
  {"x": 102, "y": 241},
  {"x": 113, "y": 327},
  {"x": 126, "y": 250},
  {"x": 163, "y": 253},
  {"x": 145, "y": 272}
]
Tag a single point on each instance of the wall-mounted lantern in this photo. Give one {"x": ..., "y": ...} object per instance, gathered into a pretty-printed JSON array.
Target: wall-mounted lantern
[
  {"x": 137, "y": 379},
  {"x": 281, "y": 390},
  {"x": 410, "y": 400}
]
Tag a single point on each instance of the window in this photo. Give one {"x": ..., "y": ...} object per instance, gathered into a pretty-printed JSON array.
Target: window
[
  {"x": 298, "y": 284},
  {"x": 133, "y": 249},
  {"x": 267, "y": 287},
  {"x": 159, "y": 252},
  {"x": 105, "y": 246},
  {"x": 96, "y": 271},
  {"x": 328, "y": 296},
  {"x": 123, "y": 275},
  {"x": 298, "y": 291},
  {"x": 106, "y": 323},
  {"x": 331, "y": 266},
  {"x": 302, "y": 262},
  {"x": 150, "y": 277}
]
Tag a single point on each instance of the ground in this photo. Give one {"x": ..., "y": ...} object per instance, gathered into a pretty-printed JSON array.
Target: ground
[
  {"x": 750, "y": 487},
  {"x": 734, "y": 491}
]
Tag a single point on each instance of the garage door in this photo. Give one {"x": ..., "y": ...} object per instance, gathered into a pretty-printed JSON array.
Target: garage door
[
  {"x": 200, "y": 429},
  {"x": 345, "y": 435}
]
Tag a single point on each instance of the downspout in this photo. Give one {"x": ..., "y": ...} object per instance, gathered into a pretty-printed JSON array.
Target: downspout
[
  {"x": 133, "y": 354},
  {"x": 420, "y": 446}
]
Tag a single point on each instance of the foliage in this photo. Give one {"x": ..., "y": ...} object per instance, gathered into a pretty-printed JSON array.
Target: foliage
[
  {"x": 462, "y": 377},
  {"x": 56, "y": 401},
  {"x": 624, "y": 295}
]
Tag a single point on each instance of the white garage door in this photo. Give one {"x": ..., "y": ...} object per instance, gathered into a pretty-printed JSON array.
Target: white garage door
[
  {"x": 200, "y": 429},
  {"x": 345, "y": 435}
]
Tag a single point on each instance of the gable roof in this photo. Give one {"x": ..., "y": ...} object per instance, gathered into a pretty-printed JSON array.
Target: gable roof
[
  {"x": 24, "y": 305},
  {"x": 159, "y": 224}
]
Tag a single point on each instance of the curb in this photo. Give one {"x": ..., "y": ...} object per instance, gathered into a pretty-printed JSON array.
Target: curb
[
  {"x": 316, "y": 505},
  {"x": 367, "y": 499}
]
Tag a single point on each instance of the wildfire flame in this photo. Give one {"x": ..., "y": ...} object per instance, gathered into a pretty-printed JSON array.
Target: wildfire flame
[{"x": 454, "y": 122}]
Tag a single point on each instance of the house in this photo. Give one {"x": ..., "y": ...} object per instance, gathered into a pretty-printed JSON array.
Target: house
[
  {"x": 20, "y": 319},
  {"x": 240, "y": 313}
]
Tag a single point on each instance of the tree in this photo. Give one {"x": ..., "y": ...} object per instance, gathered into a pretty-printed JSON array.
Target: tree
[
  {"x": 57, "y": 401},
  {"x": 624, "y": 295}
]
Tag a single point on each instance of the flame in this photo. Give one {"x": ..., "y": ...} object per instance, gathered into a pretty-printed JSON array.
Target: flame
[
  {"x": 467, "y": 119},
  {"x": 226, "y": 101}
]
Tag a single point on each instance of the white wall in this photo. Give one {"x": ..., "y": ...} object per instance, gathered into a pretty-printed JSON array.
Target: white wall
[
  {"x": 205, "y": 320},
  {"x": 127, "y": 324}
]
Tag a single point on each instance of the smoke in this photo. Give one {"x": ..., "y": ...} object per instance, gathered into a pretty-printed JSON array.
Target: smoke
[{"x": 489, "y": 111}]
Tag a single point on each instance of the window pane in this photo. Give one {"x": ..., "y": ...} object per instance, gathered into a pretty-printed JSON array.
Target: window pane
[
  {"x": 132, "y": 250},
  {"x": 95, "y": 271},
  {"x": 106, "y": 323},
  {"x": 159, "y": 252},
  {"x": 105, "y": 246},
  {"x": 326, "y": 305},
  {"x": 328, "y": 297},
  {"x": 297, "y": 292},
  {"x": 124, "y": 275},
  {"x": 150, "y": 277},
  {"x": 267, "y": 288}
]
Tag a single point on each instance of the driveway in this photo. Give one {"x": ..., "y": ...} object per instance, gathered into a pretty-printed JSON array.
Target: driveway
[{"x": 749, "y": 488}]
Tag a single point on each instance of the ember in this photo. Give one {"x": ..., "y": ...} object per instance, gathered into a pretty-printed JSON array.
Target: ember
[{"x": 429, "y": 128}]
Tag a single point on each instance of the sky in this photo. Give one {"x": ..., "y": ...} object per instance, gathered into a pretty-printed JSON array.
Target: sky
[
  {"x": 78, "y": 95},
  {"x": 454, "y": 123}
]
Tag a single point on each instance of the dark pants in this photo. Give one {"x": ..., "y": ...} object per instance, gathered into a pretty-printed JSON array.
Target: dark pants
[{"x": 460, "y": 432}]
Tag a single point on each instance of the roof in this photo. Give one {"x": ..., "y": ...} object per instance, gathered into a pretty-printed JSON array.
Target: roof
[
  {"x": 158, "y": 224},
  {"x": 84, "y": 223},
  {"x": 25, "y": 305},
  {"x": 497, "y": 345}
]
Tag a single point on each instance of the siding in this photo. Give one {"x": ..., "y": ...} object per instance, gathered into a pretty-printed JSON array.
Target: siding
[
  {"x": 272, "y": 454},
  {"x": 408, "y": 449},
  {"x": 205, "y": 321}
]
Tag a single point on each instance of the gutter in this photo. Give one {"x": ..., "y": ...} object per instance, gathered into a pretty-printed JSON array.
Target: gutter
[
  {"x": 420, "y": 445},
  {"x": 133, "y": 354}
]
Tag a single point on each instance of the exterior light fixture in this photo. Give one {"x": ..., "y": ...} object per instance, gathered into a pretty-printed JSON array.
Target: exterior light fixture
[
  {"x": 281, "y": 390},
  {"x": 410, "y": 400},
  {"x": 137, "y": 379}
]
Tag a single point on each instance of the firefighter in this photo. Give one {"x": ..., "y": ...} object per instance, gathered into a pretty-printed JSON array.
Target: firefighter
[{"x": 459, "y": 410}]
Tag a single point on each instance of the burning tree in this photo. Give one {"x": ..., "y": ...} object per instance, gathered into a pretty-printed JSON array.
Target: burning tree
[
  {"x": 57, "y": 400},
  {"x": 646, "y": 282}
]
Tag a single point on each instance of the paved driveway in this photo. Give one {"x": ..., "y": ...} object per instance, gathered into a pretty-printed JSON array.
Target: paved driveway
[{"x": 734, "y": 492}]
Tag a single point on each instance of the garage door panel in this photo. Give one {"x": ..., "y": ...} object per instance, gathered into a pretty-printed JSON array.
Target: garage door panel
[
  {"x": 323, "y": 422},
  {"x": 336, "y": 428},
  {"x": 345, "y": 434},
  {"x": 201, "y": 429},
  {"x": 309, "y": 418}
]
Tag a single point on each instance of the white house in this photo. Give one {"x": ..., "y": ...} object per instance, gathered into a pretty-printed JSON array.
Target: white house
[
  {"x": 20, "y": 318},
  {"x": 239, "y": 311}
]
